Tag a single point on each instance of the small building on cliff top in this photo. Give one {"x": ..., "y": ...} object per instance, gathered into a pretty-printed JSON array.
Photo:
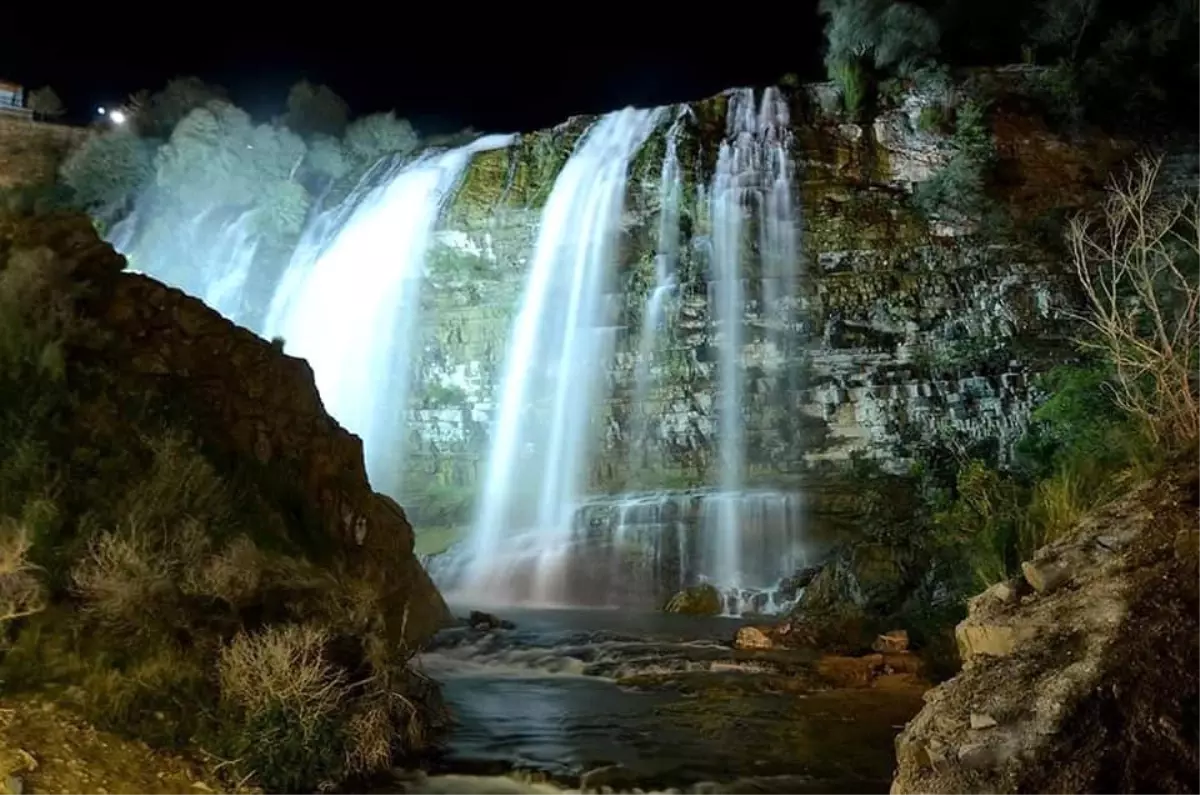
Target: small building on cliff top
[{"x": 12, "y": 99}]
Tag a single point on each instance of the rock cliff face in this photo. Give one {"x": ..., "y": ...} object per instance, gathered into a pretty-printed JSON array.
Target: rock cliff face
[
  {"x": 906, "y": 329},
  {"x": 1081, "y": 677}
]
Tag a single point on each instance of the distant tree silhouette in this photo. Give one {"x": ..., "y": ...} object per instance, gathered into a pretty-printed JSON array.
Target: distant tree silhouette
[
  {"x": 157, "y": 115},
  {"x": 316, "y": 109}
]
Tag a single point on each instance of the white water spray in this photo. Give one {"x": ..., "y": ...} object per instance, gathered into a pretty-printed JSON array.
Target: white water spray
[{"x": 350, "y": 304}]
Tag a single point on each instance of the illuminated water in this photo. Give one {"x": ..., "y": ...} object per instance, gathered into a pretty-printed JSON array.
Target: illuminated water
[{"x": 350, "y": 304}]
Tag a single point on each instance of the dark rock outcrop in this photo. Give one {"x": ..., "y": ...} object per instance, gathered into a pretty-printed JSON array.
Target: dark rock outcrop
[{"x": 248, "y": 401}]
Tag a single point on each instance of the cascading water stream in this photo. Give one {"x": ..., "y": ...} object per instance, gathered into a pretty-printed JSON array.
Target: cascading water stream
[
  {"x": 778, "y": 233},
  {"x": 753, "y": 173},
  {"x": 350, "y": 304},
  {"x": 210, "y": 257},
  {"x": 669, "y": 190},
  {"x": 727, "y": 212},
  {"x": 559, "y": 347}
]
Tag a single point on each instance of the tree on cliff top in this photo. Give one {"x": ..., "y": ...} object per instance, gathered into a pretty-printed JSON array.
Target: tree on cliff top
[
  {"x": 45, "y": 103},
  {"x": 874, "y": 35},
  {"x": 217, "y": 157},
  {"x": 107, "y": 171},
  {"x": 379, "y": 134},
  {"x": 1137, "y": 262},
  {"x": 316, "y": 109},
  {"x": 158, "y": 114}
]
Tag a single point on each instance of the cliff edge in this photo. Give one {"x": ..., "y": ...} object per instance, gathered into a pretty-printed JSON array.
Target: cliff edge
[{"x": 1082, "y": 675}]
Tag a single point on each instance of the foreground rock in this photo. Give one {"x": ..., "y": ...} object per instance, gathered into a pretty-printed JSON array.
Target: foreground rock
[
  {"x": 44, "y": 748},
  {"x": 1081, "y": 677},
  {"x": 219, "y": 570}
]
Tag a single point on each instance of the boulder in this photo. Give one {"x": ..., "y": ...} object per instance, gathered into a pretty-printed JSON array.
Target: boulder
[
  {"x": 754, "y": 638},
  {"x": 698, "y": 600},
  {"x": 486, "y": 621}
]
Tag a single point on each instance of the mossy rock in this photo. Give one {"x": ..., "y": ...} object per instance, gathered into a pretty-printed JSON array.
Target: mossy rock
[{"x": 697, "y": 600}]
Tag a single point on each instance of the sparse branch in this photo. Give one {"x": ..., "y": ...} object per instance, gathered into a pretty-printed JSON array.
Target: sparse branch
[{"x": 1143, "y": 300}]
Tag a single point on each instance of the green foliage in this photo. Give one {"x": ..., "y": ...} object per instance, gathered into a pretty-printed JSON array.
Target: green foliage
[
  {"x": 1080, "y": 451},
  {"x": 851, "y": 79},
  {"x": 1115, "y": 63},
  {"x": 45, "y": 103},
  {"x": 934, "y": 119},
  {"x": 985, "y": 521},
  {"x": 958, "y": 191},
  {"x": 441, "y": 396},
  {"x": 888, "y": 35},
  {"x": 1063, "y": 24},
  {"x": 371, "y": 137},
  {"x": 326, "y": 160},
  {"x": 870, "y": 38},
  {"x": 108, "y": 171},
  {"x": 316, "y": 110}
]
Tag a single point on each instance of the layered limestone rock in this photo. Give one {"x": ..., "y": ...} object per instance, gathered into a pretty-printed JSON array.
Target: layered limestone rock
[
  {"x": 1081, "y": 676},
  {"x": 907, "y": 329}
]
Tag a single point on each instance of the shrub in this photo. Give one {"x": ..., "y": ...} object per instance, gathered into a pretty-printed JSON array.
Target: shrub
[
  {"x": 316, "y": 109},
  {"x": 379, "y": 134},
  {"x": 877, "y": 35},
  {"x": 284, "y": 694}
]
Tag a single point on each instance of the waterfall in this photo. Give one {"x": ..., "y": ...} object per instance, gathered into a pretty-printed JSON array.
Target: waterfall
[
  {"x": 669, "y": 189},
  {"x": 779, "y": 235},
  {"x": 558, "y": 350},
  {"x": 728, "y": 197},
  {"x": 348, "y": 301},
  {"x": 209, "y": 257},
  {"x": 753, "y": 173}
]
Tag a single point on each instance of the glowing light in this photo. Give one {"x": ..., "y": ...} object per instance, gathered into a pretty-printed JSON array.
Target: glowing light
[
  {"x": 118, "y": 116},
  {"x": 101, "y": 110}
]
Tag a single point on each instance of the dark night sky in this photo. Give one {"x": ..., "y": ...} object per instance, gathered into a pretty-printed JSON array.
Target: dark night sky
[{"x": 509, "y": 74}]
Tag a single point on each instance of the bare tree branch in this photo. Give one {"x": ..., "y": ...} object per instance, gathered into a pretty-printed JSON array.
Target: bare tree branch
[{"x": 1144, "y": 304}]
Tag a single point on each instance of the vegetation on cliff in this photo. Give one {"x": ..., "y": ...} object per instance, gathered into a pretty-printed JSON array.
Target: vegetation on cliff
[{"x": 163, "y": 581}]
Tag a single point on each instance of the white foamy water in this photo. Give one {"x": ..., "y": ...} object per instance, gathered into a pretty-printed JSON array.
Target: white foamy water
[{"x": 350, "y": 304}]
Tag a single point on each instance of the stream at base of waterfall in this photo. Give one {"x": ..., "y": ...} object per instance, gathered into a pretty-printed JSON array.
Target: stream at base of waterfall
[{"x": 558, "y": 699}]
